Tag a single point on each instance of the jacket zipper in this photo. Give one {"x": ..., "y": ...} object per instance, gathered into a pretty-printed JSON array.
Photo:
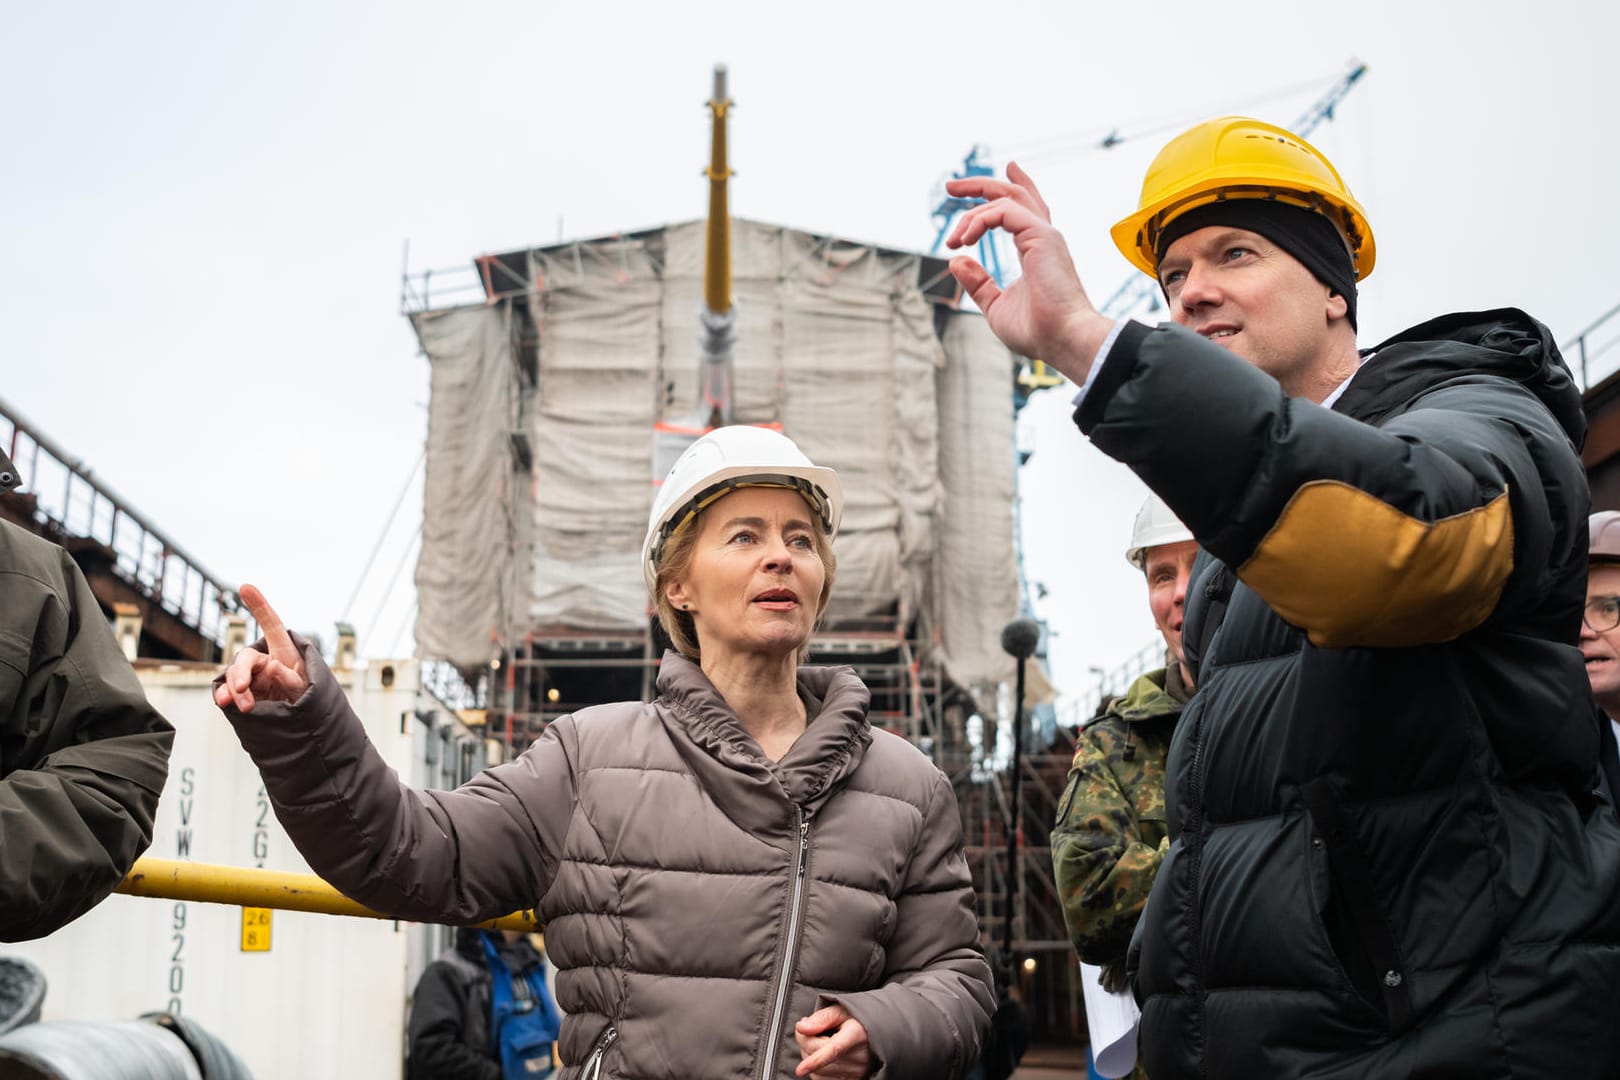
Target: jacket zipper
[
  {"x": 593, "y": 1064},
  {"x": 1195, "y": 859},
  {"x": 1216, "y": 593},
  {"x": 789, "y": 952}
]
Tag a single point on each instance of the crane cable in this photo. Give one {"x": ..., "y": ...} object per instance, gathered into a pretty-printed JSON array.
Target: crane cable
[
  {"x": 389, "y": 524},
  {"x": 1107, "y": 138},
  {"x": 404, "y": 557}
]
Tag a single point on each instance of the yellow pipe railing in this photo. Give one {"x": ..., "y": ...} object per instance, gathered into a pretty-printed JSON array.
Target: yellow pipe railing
[{"x": 245, "y": 886}]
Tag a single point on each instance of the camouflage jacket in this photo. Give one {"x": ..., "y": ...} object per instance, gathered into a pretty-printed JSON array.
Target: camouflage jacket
[{"x": 1111, "y": 833}]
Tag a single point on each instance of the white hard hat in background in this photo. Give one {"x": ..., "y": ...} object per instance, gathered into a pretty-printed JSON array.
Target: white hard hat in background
[
  {"x": 1155, "y": 525},
  {"x": 731, "y": 457},
  {"x": 1603, "y": 530}
]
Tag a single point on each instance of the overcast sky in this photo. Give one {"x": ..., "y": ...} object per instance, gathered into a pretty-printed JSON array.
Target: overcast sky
[{"x": 204, "y": 209}]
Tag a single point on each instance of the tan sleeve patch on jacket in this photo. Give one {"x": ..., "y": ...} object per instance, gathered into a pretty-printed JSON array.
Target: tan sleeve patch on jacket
[{"x": 1351, "y": 570}]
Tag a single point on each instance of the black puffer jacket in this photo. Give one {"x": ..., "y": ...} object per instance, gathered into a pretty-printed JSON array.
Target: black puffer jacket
[{"x": 1385, "y": 860}]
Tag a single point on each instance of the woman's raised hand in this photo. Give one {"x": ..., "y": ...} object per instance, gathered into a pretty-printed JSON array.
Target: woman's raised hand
[{"x": 276, "y": 675}]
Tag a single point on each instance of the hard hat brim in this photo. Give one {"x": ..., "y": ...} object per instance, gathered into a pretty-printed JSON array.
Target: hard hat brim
[
  {"x": 818, "y": 486},
  {"x": 1136, "y": 235}
]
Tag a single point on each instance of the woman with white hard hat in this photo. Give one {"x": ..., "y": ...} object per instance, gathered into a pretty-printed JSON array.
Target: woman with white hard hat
[{"x": 741, "y": 877}]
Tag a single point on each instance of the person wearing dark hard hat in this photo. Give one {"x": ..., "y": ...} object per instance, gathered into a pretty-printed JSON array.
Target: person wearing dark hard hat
[
  {"x": 1385, "y": 856},
  {"x": 1110, "y": 837},
  {"x": 1600, "y": 641}
]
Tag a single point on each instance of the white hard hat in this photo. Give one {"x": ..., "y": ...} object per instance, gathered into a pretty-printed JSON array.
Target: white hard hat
[
  {"x": 728, "y": 458},
  {"x": 1155, "y": 526}
]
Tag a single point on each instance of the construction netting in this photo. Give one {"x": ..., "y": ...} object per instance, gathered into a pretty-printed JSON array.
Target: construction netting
[
  {"x": 835, "y": 342},
  {"x": 470, "y": 503}
]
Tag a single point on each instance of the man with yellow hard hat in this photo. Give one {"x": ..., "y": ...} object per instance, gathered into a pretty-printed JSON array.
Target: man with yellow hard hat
[{"x": 1385, "y": 859}]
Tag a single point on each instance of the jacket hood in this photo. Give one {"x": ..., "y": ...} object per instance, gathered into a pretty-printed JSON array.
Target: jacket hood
[
  {"x": 8, "y": 473},
  {"x": 1505, "y": 342},
  {"x": 1147, "y": 699},
  {"x": 519, "y": 955},
  {"x": 743, "y": 781},
  {"x": 468, "y": 943}
]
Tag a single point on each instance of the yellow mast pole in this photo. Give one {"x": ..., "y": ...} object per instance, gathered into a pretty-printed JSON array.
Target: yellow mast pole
[
  {"x": 718, "y": 320},
  {"x": 717, "y": 272}
]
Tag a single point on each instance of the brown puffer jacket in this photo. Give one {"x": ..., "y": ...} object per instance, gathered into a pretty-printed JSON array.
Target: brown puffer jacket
[{"x": 678, "y": 870}]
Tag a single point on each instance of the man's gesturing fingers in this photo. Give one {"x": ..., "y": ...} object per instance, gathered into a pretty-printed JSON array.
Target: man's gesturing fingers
[
  {"x": 1003, "y": 213},
  {"x": 1018, "y": 176},
  {"x": 976, "y": 281},
  {"x": 1018, "y": 188}
]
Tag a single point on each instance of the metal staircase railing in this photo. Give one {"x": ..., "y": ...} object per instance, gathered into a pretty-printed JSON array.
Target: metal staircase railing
[{"x": 1582, "y": 351}]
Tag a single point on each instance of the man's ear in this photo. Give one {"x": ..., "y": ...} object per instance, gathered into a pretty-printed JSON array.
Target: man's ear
[{"x": 1337, "y": 306}]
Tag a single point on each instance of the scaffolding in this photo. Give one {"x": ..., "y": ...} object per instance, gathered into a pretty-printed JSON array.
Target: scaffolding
[
  {"x": 558, "y": 670},
  {"x": 1038, "y": 933},
  {"x": 548, "y": 388},
  {"x": 552, "y": 367}
]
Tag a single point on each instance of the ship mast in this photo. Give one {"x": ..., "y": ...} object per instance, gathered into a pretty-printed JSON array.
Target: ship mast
[{"x": 718, "y": 319}]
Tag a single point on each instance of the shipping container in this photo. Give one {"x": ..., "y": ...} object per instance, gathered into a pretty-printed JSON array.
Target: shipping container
[{"x": 291, "y": 993}]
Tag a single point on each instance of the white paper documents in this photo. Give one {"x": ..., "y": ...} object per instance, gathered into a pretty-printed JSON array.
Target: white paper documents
[{"x": 1112, "y": 1019}]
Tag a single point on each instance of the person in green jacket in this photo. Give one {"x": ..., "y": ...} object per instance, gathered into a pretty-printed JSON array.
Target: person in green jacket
[
  {"x": 83, "y": 755},
  {"x": 1111, "y": 834}
]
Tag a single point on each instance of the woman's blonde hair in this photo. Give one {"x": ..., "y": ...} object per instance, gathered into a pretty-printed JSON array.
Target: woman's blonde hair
[{"x": 676, "y": 560}]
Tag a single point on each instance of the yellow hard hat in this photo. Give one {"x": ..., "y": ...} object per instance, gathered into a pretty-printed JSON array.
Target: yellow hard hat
[{"x": 1238, "y": 158}]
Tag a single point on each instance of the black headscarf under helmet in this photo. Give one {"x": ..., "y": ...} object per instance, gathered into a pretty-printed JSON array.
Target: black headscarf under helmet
[{"x": 1306, "y": 235}]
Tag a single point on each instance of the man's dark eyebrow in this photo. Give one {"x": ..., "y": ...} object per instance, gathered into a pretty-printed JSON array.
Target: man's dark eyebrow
[{"x": 1220, "y": 240}]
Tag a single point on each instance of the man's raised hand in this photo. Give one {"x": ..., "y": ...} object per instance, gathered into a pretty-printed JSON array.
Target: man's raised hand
[{"x": 1046, "y": 312}]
